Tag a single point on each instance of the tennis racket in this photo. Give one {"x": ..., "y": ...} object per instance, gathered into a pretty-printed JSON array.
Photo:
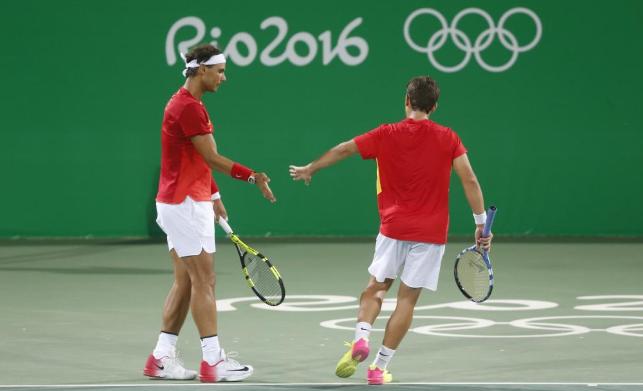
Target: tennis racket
[
  {"x": 473, "y": 272},
  {"x": 262, "y": 277}
]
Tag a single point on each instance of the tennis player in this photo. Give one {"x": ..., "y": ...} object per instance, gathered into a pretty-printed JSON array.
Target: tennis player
[
  {"x": 187, "y": 203},
  {"x": 414, "y": 158}
]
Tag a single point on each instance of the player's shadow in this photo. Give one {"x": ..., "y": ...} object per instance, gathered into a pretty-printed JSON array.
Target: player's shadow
[
  {"x": 106, "y": 270},
  {"x": 51, "y": 255}
]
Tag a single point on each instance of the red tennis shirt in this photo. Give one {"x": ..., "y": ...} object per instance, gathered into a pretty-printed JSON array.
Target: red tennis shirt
[
  {"x": 184, "y": 172},
  {"x": 414, "y": 160}
]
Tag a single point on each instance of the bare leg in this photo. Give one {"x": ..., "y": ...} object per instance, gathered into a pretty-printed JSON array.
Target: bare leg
[
  {"x": 160, "y": 364},
  {"x": 400, "y": 321},
  {"x": 177, "y": 302},
  {"x": 202, "y": 303},
  {"x": 370, "y": 303}
]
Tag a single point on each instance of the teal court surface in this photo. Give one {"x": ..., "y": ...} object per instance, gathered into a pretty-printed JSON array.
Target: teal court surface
[{"x": 563, "y": 316}]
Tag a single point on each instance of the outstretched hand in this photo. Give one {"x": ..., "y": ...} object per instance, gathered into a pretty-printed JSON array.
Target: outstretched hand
[
  {"x": 303, "y": 173},
  {"x": 261, "y": 180}
]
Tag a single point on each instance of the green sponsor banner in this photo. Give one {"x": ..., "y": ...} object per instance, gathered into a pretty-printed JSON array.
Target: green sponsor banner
[{"x": 544, "y": 94}]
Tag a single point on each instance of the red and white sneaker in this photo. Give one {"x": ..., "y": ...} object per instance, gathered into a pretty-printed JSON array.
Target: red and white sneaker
[
  {"x": 167, "y": 368},
  {"x": 226, "y": 369}
]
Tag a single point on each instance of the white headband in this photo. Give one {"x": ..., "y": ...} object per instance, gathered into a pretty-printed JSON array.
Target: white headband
[{"x": 214, "y": 60}]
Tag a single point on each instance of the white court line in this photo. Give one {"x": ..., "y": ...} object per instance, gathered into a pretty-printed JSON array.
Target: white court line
[{"x": 238, "y": 384}]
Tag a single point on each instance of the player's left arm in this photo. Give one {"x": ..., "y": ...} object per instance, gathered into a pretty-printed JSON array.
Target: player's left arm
[
  {"x": 473, "y": 193},
  {"x": 337, "y": 153},
  {"x": 207, "y": 147}
]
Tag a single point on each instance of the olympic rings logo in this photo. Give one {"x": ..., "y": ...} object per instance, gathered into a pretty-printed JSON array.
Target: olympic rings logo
[
  {"x": 481, "y": 42},
  {"x": 477, "y": 327},
  {"x": 551, "y": 326}
]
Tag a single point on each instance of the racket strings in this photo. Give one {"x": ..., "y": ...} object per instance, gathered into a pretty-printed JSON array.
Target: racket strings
[
  {"x": 264, "y": 280},
  {"x": 473, "y": 275}
]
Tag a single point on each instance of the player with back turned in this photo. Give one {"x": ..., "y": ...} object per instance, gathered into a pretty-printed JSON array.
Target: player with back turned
[
  {"x": 414, "y": 158},
  {"x": 187, "y": 203}
]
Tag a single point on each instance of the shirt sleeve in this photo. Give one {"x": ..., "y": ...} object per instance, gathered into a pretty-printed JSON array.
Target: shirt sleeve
[
  {"x": 194, "y": 120},
  {"x": 368, "y": 143},
  {"x": 458, "y": 148}
]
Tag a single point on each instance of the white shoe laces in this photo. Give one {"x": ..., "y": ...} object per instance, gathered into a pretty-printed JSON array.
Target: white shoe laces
[
  {"x": 228, "y": 357},
  {"x": 175, "y": 365}
]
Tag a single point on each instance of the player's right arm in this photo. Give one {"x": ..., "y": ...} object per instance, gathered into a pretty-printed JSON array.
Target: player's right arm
[
  {"x": 473, "y": 193},
  {"x": 339, "y": 152},
  {"x": 207, "y": 147}
]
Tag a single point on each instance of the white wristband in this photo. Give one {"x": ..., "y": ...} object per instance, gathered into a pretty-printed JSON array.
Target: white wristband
[
  {"x": 481, "y": 218},
  {"x": 216, "y": 196}
]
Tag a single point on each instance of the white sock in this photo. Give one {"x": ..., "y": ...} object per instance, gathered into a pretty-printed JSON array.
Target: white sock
[
  {"x": 383, "y": 357},
  {"x": 211, "y": 349},
  {"x": 165, "y": 346},
  {"x": 362, "y": 330}
]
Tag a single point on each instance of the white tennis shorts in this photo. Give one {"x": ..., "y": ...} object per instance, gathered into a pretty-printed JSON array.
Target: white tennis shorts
[
  {"x": 189, "y": 226},
  {"x": 418, "y": 262}
]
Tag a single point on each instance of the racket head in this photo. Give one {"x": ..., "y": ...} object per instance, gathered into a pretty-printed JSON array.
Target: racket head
[
  {"x": 263, "y": 278},
  {"x": 261, "y": 275},
  {"x": 473, "y": 274}
]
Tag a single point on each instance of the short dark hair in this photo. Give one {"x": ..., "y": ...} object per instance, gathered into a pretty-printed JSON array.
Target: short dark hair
[
  {"x": 200, "y": 53},
  {"x": 423, "y": 93}
]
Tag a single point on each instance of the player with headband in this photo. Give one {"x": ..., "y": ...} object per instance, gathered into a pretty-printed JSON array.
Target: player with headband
[{"x": 187, "y": 204}]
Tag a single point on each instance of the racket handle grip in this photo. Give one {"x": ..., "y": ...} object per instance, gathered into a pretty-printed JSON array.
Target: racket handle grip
[
  {"x": 224, "y": 224},
  {"x": 491, "y": 214}
]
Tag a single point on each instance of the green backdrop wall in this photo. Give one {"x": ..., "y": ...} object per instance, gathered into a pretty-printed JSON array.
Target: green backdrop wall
[{"x": 545, "y": 94}]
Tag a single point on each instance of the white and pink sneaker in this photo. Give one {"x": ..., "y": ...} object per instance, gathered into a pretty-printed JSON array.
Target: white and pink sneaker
[
  {"x": 226, "y": 369},
  {"x": 167, "y": 368}
]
